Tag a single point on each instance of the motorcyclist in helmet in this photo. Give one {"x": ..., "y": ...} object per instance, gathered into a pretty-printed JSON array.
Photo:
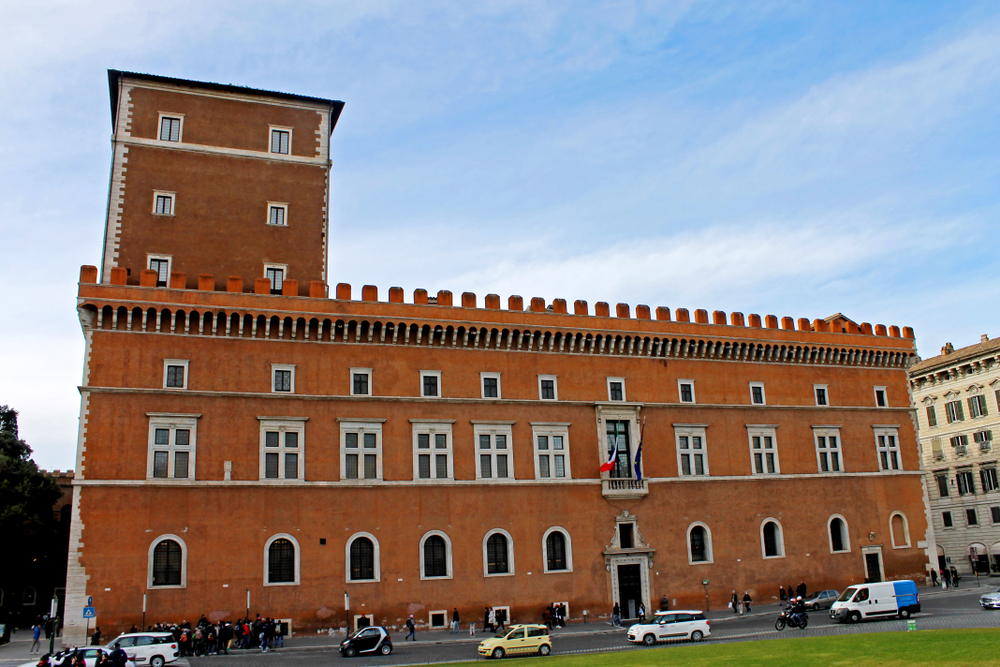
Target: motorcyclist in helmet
[{"x": 798, "y": 610}]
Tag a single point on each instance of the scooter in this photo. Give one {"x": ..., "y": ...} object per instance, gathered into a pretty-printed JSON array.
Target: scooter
[{"x": 792, "y": 620}]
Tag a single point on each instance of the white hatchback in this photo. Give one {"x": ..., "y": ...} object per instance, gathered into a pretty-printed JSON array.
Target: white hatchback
[
  {"x": 671, "y": 626},
  {"x": 148, "y": 648}
]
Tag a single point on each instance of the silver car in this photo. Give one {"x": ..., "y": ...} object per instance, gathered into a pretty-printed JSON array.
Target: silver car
[
  {"x": 821, "y": 600},
  {"x": 990, "y": 600}
]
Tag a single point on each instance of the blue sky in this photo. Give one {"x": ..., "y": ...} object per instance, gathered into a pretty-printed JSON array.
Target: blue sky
[{"x": 794, "y": 158}]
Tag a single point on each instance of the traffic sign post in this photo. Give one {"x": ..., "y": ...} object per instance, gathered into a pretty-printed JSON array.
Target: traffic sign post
[{"x": 88, "y": 613}]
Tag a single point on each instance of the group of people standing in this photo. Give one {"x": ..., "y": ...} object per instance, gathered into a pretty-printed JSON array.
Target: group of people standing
[
  {"x": 494, "y": 619},
  {"x": 799, "y": 591},
  {"x": 949, "y": 577}
]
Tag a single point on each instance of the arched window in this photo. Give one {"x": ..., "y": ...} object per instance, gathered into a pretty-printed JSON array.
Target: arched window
[
  {"x": 363, "y": 558},
  {"x": 498, "y": 555},
  {"x": 167, "y": 562},
  {"x": 839, "y": 541},
  {"x": 557, "y": 550},
  {"x": 699, "y": 544},
  {"x": 899, "y": 530},
  {"x": 281, "y": 562},
  {"x": 435, "y": 557},
  {"x": 772, "y": 543},
  {"x": 167, "y": 557}
]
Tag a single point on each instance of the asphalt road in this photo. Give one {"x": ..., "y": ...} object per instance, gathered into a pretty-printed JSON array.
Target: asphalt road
[{"x": 948, "y": 610}]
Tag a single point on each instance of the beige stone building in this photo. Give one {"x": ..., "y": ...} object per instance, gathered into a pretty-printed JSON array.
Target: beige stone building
[{"x": 957, "y": 396}]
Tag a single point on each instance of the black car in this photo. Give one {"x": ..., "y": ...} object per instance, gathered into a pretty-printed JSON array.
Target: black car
[{"x": 372, "y": 639}]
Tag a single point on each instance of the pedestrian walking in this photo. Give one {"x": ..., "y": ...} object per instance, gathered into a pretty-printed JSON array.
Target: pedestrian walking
[
  {"x": 616, "y": 615},
  {"x": 781, "y": 595},
  {"x": 411, "y": 629},
  {"x": 945, "y": 578},
  {"x": 664, "y": 603},
  {"x": 934, "y": 579},
  {"x": 491, "y": 619},
  {"x": 472, "y": 629},
  {"x": 642, "y": 612},
  {"x": 95, "y": 639},
  {"x": 801, "y": 590},
  {"x": 734, "y": 602},
  {"x": 36, "y": 633},
  {"x": 954, "y": 577},
  {"x": 454, "y": 621},
  {"x": 501, "y": 619},
  {"x": 747, "y": 601}
]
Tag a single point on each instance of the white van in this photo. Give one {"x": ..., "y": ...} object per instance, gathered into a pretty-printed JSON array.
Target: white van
[{"x": 885, "y": 599}]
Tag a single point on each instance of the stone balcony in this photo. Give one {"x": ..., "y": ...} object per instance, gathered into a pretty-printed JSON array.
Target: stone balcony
[{"x": 624, "y": 488}]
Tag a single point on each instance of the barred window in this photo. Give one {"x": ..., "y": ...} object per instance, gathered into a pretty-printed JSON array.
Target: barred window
[
  {"x": 555, "y": 551},
  {"x": 280, "y": 139},
  {"x": 170, "y": 129},
  {"x": 167, "y": 561},
  {"x": 496, "y": 554},
  {"x": 435, "y": 557},
  {"x": 164, "y": 205},
  {"x": 281, "y": 562},
  {"x": 362, "y": 559}
]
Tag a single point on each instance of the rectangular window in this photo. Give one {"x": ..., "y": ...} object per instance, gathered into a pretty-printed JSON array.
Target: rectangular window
[
  {"x": 162, "y": 267},
  {"x": 281, "y": 140},
  {"x": 551, "y": 450},
  {"x": 966, "y": 483},
  {"x": 616, "y": 389},
  {"x": 977, "y": 406},
  {"x": 361, "y": 449},
  {"x": 170, "y": 128},
  {"x": 946, "y": 519},
  {"x": 828, "y": 454},
  {"x": 490, "y": 385},
  {"x": 819, "y": 390},
  {"x": 954, "y": 412},
  {"x": 430, "y": 384},
  {"x": 619, "y": 446},
  {"x": 995, "y": 514},
  {"x": 175, "y": 373},
  {"x": 936, "y": 450},
  {"x": 361, "y": 382},
  {"x": 276, "y": 275},
  {"x": 692, "y": 451},
  {"x": 880, "y": 400},
  {"x": 961, "y": 444},
  {"x": 277, "y": 214},
  {"x": 494, "y": 451},
  {"x": 764, "y": 450},
  {"x": 283, "y": 378},
  {"x": 685, "y": 391},
  {"x": 942, "y": 484},
  {"x": 432, "y": 450},
  {"x": 282, "y": 448},
  {"x": 988, "y": 477},
  {"x": 547, "y": 390},
  {"x": 931, "y": 415},
  {"x": 172, "y": 441},
  {"x": 971, "y": 517},
  {"x": 887, "y": 441},
  {"x": 163, "y": 203},
  {"x": 757, "y": 393}
]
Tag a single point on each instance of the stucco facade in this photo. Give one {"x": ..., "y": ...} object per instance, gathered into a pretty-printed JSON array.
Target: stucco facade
[
  {"x": 420, "y": 453},
  {"x": 957, "y": 395}
]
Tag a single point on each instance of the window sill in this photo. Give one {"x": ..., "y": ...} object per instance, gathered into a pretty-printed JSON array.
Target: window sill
[
  {"x": 444, "y": 578},
  {"x": 271, "y": 224},
  {"x": 163, "y": 215},
  {"x": 569, "y": 571},
  {"x": 501, "y": 574},
  {"x": 160, "y": 588},
  {"x": 363, "y": 581},
  {"x": 773, "y": 557},
  {"x": 283, "y": 583},
  {"x": 701, "y": 562}
]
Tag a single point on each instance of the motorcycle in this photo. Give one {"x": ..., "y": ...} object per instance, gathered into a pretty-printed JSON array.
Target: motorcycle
[{"x": 792, "y": 620}]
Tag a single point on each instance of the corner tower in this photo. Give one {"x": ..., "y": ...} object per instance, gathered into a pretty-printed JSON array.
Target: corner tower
[{"x": 216, "y": 180}]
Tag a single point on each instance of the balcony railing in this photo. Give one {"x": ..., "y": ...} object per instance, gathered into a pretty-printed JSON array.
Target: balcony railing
[{"x": 624, "y": 488}]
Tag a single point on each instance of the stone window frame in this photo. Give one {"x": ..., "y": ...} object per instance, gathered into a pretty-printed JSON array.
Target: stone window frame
[
  {"x": 149, "y": 567},
  {"x": 159, "y": 257},
  {"x": 360, "y": 426},
  {"x": 617, "y": 380},
  {"x": 709, "y": 550},
  {"x": 376, "y": 559},
  {"x": 511, "y": 571},
  {"x": 568, "y": 541},
  {"x": 555, "y": 387},
  {"x": 448, "y": 556},
  {"x": 271, "y": 129},
  {"x": 881, "y": 397},
  {"x": 489, "y": 375},
  {"x": 762, "y": 431},
  {"x": 434, "y": 374},
  {"x": 494, "y": 428},
  {"x": 432, "y": 428},
  {"x": 171, "y": 116},
  {"x": 780, "y": 539},
  {"x": 360, "y": 371},
  {"x": 906, "y": 531},
  {"x": 763, "y": 394},
  {"x": 183, "y": 363},
  {"x": 825, "y": 388},
  {"x": 845, "y": 535},
  {"x": 273, "y": 266},
  {"x": 550, "y": 430},
  {"x": 273, "y": 206},
  {"x": 828, "y": 431},
  {"x": 282, "y": 425},
  {"x": 283, "y": 367},
  {"x": 166, "y": 195},
  {"x": 888, "y": 431},
  {"x": 680, "y": 392},
  {"x": 691, "y": 431},
  {"x": 298, "y": 560},
  {"x": 172, "y": 421}
]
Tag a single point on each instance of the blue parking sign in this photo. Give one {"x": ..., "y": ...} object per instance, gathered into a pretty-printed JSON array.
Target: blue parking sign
[{"x": 88, "y": 612}]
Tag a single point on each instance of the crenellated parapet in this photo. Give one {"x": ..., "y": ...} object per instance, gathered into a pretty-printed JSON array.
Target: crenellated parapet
[{"x": 438, "y": 321}]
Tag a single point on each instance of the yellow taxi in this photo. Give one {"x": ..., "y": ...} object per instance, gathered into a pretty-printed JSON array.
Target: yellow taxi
[{"x": 518, "y": 639}]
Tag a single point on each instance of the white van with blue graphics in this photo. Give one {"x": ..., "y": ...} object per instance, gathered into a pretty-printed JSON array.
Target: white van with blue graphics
[{"x": 885, "y": 599}]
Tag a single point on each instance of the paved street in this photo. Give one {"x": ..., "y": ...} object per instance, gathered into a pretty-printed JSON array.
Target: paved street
[{"x": 941, "y": 610}]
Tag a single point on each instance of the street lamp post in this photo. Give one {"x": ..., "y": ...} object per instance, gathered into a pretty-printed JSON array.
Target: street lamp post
[{"x": 53, "y": 611}]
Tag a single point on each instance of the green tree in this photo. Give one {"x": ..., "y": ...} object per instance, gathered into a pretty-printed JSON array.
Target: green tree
[{"x": 27, "y": 494}]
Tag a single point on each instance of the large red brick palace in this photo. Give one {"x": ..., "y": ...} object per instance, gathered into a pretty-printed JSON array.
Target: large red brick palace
[{"x": 245, "y": 435}]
